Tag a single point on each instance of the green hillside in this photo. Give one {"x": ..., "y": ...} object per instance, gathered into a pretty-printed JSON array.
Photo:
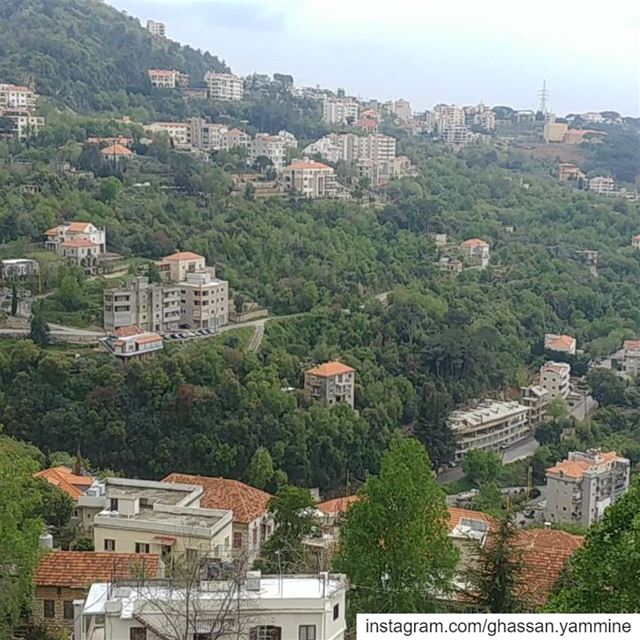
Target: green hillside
[{"x": 87, "y": 54}]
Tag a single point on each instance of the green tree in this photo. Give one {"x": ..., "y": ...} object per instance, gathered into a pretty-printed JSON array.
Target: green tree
[
  {"x": 481, "y": 466},
  {"x": 39, "y": 331},
  {"x": 14, "y": 299},
  {"x": 261, "y": 469},
  {"x": 293, "y": 512},
  {"x": 493, "y": 583},
  {"x": 109, "y": 189},
  {"x": 153, "y": 273},
  {"x": 55, "y": 510},
  {"x": 607, "y": 387},
  {"x": 489, "y": 499},
  {"x": 602, "y": 575},
  {"x": 395, "y": 547}
]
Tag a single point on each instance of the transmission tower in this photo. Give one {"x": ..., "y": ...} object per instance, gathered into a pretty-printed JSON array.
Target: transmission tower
[{"x": 544, "y": 96}]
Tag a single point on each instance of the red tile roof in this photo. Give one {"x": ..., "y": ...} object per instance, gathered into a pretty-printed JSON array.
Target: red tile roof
[
  {"x": 116, "y": 150},
  {"x": 246, "y": 502},
  {"x": 182, "y": 255},
  {"x": 78, "y": 243},
  {"x": 475, "y": 242},
  {"x": 127, "y": 332},
  {"x": 559, "y": 343},
  {"x": 576, "y": 468},
  {"x": 330, "y": 369},
  {"x": 77, "y": 227},
  {"x": 79, "y": 569},
  {"x": 632, "y": 345},
  {"x": 151, "y": 337},
  {"x": 337, "y": 506},
  {"x": 544, "y": 553},
  {"x": 301, "y": 165},
  {"x": 64, "y": 478},
  {"x": 455, "y": 515}
]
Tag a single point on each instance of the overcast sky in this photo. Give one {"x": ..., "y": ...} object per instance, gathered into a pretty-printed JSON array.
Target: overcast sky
[{"x": 454, "y": 51}]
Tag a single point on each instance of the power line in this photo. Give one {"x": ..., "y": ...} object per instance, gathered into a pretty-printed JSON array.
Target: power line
[{"x": 543, "y": 96}]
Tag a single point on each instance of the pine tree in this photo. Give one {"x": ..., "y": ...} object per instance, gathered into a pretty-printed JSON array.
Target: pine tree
[
  {"x": 432, "y": 428},
  {"x": 39, "y": 330},
  {"x": 14, "y": 299}
]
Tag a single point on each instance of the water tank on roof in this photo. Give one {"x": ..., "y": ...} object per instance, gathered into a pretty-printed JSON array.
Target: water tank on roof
[{"x": 46, "y": 541}]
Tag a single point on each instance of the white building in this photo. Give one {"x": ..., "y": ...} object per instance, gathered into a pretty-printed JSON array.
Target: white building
[
  {"x": 340, "y": 110},
  {"x": 178, "y": 132},
  {"x": 291, "y": 607},
  {"x": 204, "y": 300},
  {"x": 157, "y": 28},
  {"x": 635, "y": 242},
  {"x": 486, "y": 119},
  {"x": 17, "y": 97},
  {"x": 133, "y": 343},
  {"x": 560, "y": 343},
  {"x": 491, "y": 425},
  {"x": 80, "y": 243},
  {"x": 224, "y": 86},
  {"x": 272, "y": 147},
  {"x": 476, "y": 252},
  {"x": 18, "y": 268},
  {"x": 627, "y": 360},
  {"x": 602, "y": 184},
  {"x": 554, "y": 378},
  {"x": 402, "y": 109},
  {"x": 310, "y": 179},
  {"x": 455, "y": 135},
  {"x": 167, "y": 78},
  {"x": 580, "y": 488}
]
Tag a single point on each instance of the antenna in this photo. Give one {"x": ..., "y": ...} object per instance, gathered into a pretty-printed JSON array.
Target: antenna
[{"x": 543, "y": 96}]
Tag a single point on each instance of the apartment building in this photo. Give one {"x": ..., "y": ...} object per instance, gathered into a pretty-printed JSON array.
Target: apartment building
[
  {"x": 299, "y": 607},
  {"x": 554, "y": 378},
  {"x": 175, "y": 267},
  {"x": 139, "y": 303},
  {"x": 627, "y": 359},
  {"x": 455, "y": 135},
  {"x": 331, "y": 383},
  {"x": 205, "y": 135},
  {"x": 560, "y": 343},
  {"x": 158, "y": 29},
  {"x": 581, "y": 487},
  {"x": 536, "y": 399},
  {"x": 204, "y": 300},
  {"x": 167, "y": 78},
  {"x": 133, "y": 343},
  {"x": 449, "y": 115},
  {"x": 486, "y": 120},
  {"x": 274, "y": 147},
  {"x": 234, "y": 138},
  {"x": 476, "y": 252},
  {"x": 402, "y": 110},
  {"x": 555, "y": 131},
  {"x": 251, "y": 525},
  {"x": 340, "y": 110},
  {"x": 178, "y": 132},
  {"x": 224, "y": 86},
  {"x": 603, "y": 185},
  {"x": 310, "y": 179},
  {"x": 64, "y": 576},
  {"x": 25, "y": 124},
  {"x": 18, "y": 268},
  {"x": 492, "y": 425},
  {"x": 18, "y": 98}
]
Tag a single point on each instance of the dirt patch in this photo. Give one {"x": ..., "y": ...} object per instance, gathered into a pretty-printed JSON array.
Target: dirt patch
[{"x": 557, "y": 152}]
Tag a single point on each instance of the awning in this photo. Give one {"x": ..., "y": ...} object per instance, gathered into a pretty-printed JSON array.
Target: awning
[{"x": 165, "y": 540}]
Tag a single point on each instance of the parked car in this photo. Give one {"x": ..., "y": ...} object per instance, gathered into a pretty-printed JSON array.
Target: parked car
[{"x": 186, "y": 325}]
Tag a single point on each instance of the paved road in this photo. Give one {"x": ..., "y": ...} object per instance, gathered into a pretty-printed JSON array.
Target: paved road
[
  {"x": 258, "y": 334},
  {"x": 65, "y": 334}
]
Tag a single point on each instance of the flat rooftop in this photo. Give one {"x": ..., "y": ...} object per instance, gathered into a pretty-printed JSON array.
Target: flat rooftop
[
  {"x": 486, "y": 413},
  {"x": 175, "y": 519},
  {"x": 173, "y": 494}
]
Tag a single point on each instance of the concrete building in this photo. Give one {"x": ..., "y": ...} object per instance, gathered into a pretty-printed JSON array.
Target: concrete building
[
  {"x": 340, "y": 110},
  {"x": 299, "y": 607},
  {"x": 476, "y": 252},
  {"x": 204, "y": 301},
  {"x": 234, "y": 138},
  {"x": 635, "y": 242},
  {"x": 310, "y": 179},
  {"x": 368, "y": 121},
  {"x": 450, "y": 265},
  {"x": 627, "y": 359},
  {"x": 554, "y": 378},
  {"x": 560, "y": 343},
  {"x": 178, "y": 132},
  {"x": 18, "y": 268},
  {"x": 486, "y": 120},
  {"x": 491, "y": 425},
  {"x": 64, "y": 576},
  {"x": 151, "y": 307},
  {"x": 80, "y": 243},
  {"x": 331, "y": 383},
  {"x": 569, "y": 172},
  {"x": 402, "y": 110},
  {"x": 205, "y": 135},
  {"x": 603, "y": 185},
  {"x": 224, "y": 86},
  {"x": 18, "y": 98},
  {"x": 175, "y": 267},
  {"x": 158, "y": 29},
  {"x": 273, "y": 147},
  {"x": 580, "y": 488},
  {"x": 25, "y": 124},
  {"x": 555, "y": 131},
  {"x": 132, "y": 342},
  {"x": 19, "y": 104},
  {"x": 168, "y": 78},
  {"x": 536, "y": 399}
]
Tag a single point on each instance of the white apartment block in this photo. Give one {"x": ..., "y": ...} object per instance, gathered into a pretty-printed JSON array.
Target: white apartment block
[
  {"x": 580, "y": 488},
  {"x": 157, "y": 28},
  {"x": 449, "y": 116},
  {"x": 25, "y": 124},
  {"x": 178, "y": 132},
  {"x": 19, "y": 98},
  {"x": 273, "y": 147},
  {"x": 536, "y": 399},
  {"x": 492, "y": 425},
  {"x": 485, "y": 119},
  {"x": 340, "y": 110},
  {"x": 204, "y": 301},
  {"x": 602, "y": 184},
  {"x": 283, "y": 607},
  {"x": 205, "y": 135},
  {"x": 139, "y": 303},
  {"x": 234, "y": 138},
  {"x": 175, "y": 267},
  {"x": 224, "y": 86},
  {"x": 167, "y": 78},
  {"x": 454, "y": 135},
  {"x": 310, "y": 179},
  {"x": 554, "y": 378},
  {"x": 402, "y": 109},
  {"x": 476, "y": 252}
]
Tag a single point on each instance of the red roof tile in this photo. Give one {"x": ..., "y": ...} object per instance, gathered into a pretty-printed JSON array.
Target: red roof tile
[
  {"x": 182, "y": 255},
  {"x": 77, "y": 243},
  {"x": 337, "y": 506},
  {"x": 246, "y": 502},
  {"x": 301, "y": 165},
  {"x": 79, "y": 569},
  {"x": 330, "y": 369},
  {"x": 64, "y": 478},
  {"x": 116, "y": 150},
  {"x": 455, "y": 515}
]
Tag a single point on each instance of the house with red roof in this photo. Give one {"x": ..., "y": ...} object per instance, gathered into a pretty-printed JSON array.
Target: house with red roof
[
  {"x": 331, "y": 383},
  {"x": 560, "y": 343},
  {"x": 476, "y": 252},
  {"x": 116, "y": 151},
  {"x": 251, "y": 522},
  {"x": 66, "y": 480},
  {"x": 175, "y": 267},
  {"x": 64, "y": 576},
  {"x": 133, "y": 342},
  {"x": 80, "y": 243}
]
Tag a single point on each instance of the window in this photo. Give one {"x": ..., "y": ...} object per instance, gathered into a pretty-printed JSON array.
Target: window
[
  {"x": 336, "y": 611},
  {"x": 142, "y": 547},
  {"x": 67, "y": 610},
  {"x": 137, "y": 633},
  {"x": 109, "y": 545},
  {"x": 307, "y": 632},
  {"x": 113, "y": 504},
  {"x": 237, "y": 539},
  {"x": 49, "y": 608},
  {"x": 265, "y": 632}
]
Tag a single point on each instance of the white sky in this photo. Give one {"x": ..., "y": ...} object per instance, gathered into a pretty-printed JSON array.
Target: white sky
[{"x": 455, "y": 51}]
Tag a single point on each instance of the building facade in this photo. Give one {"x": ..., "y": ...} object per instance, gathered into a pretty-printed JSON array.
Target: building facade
[
  {"x": 581, "y": 487},
  {"x": 133, "y": 343},
  {"x": 560, "y": 343},
  {"x": 603, "y": 185},
  {"x": 476, "y": 252},
  {"x": 627, "y": 359},
  {"x": 555, "y": 131},
  {"x": 554, "y": 378},
  {"x": 18, "y": 268},
  {"x": 167, "y": 78},
  {"x": 204, "y": 301},
  {"x": 224, "y": 86},
  {"x": 310, "y": 179},
  {"x": 158, "y": 29},
  {"x": 331, "y": 383},
  {"x": 272, "y": 147},
  {"x": 340, "y": 110}
]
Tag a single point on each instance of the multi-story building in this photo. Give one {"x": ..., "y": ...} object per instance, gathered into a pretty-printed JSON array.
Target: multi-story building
[
  {"x": 301, "y": 607},
  {"x": 569, "y": 172},
  {"x": 555, "y": 131},
  {"x": 560, "y": 343},
  {"x": 331, "y": 383},
  {"x": 580, "y": 488},
  {"x": 476, "y": 252},
  {"x": 491, "y": 425},
  {"x": 133, "y": 342},
  {"x": 205, "y": 135},
  {"x": 369, "y": 121},
  {"x": 635, "y": 242},
  {"x": 175, "y": 267},
  {"x": 455, "y": 135},
  {"x": 80, "y": 243},
  {"x": 486, "y": 120},
  {"x": 449, "y": 115},
  {"x": 310, "y": 179},
  {"x": 157, "y": 28},
  {"x": 168, "y": 78},
  {"x": 178, "y": 132},
  {"x": 204, "y": 300},
  {"x": 554, "y": 378},
  {"x": 272, "y": 147},
  {"x": 224, "y": 86},
  {"x": 602, "y": 184},
  {"x": 340, "y": 110},
  {"x": 18, "y": 268},
  {"x": 536, "y": 399},
  {"x": 152, "y": 307},
  {"x": 25, "y": 124},
  {"x": 64, "y": 576},
  {"x": 402, "y": 109},
  {"x": 234, "y": 138},
  {"x": 627, "y": 359},
  {"x": 18, "y": 98}
]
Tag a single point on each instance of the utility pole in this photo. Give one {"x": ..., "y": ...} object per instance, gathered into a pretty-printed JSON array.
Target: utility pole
[{"x": 543, "y": 96}]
